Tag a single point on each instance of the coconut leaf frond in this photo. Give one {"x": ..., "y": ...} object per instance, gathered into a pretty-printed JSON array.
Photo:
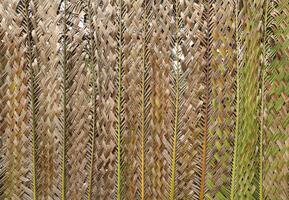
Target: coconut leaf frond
[
  {"x": 246, "y": 167},
  {"x": 223, "y": 108},
  {"x": 275, "y": 102}
]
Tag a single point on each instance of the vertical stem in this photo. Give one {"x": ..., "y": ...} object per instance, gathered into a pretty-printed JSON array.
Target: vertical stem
[
  {"x": 262, "y": 104},
  {"x": 176, "y": 115},
  {"x": 33, "y": 100},
  {"x": 94, "y": 103},
  {"x": 207, "y": 102},
  {"x": 93, "y": 141},
  {"x": 142, "y": 138},
  {"x": 172, "y": 189},
  {"x": 143, "y": 108},
  {"x": 119, "y": 133},
  {"x": 33, "y": 131},
  {"x": 204, "y": 146},
  {"x": 237, "y": 104},
  {"x": 63, "y": 189},
  {"x": 119, "y": 104}
]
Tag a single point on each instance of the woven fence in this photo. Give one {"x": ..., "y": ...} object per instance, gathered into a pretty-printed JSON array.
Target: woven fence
[{"x": 144, "y": 99}]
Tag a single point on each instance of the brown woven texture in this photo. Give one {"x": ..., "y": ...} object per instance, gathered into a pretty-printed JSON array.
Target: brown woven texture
[{"x": 144, "y": 99}]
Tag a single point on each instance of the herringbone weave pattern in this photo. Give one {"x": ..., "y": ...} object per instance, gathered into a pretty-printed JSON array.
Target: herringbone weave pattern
[{"x": 144, "y": 99}]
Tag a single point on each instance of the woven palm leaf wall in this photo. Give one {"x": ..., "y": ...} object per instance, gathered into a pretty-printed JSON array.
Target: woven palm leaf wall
[{"x": 144, "y": 99}]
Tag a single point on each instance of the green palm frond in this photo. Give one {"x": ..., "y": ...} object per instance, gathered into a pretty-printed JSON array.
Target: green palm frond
[
  {"x": 275, "y": 104},
  {"x": 91, "y": 47},
  {"x": 120, "y": 101},
  {"x": 247, "y": 172},
  {"x": 144, "y": 120},
  {"x": 176, "y": 98},
  {"x": 26, "y": 8},
  {"x": 73, "y": 95},
  {"x": 266, "y": 58}
]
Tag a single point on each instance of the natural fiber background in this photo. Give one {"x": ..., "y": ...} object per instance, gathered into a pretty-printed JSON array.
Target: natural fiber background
[{"x": 144, "y": 99}]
